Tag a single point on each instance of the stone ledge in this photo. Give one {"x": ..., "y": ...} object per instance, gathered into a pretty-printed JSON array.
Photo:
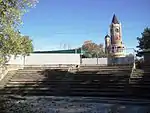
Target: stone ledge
[{"x": 5, "y": 69}]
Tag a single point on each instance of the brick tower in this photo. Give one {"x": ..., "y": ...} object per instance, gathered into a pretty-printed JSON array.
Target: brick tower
[{"x": 117, "y": 47}]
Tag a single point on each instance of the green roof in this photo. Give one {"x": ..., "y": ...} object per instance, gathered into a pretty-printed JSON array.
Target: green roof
[{"x": 62, "y": 51}]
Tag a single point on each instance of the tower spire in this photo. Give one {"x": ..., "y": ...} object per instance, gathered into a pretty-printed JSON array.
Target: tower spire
[{"x": 115, "y": 20}]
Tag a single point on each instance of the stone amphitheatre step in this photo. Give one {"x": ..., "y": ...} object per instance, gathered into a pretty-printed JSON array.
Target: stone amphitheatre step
[
  {"x": 82, "y": 93},
  {"x": 29, "y": 73},
  {"x": 75, "y": 92},
  {"x": 64, "y": 91},
  {"x": 83, "y": 78},
  {"x": 140, "y": 86},
  {"x": 75, "y": 84},
  {"x": 40, "y": 70},
  {"x": 75, "y": 88},
  {"x": 28, "y": 77},
  {"x": 67, "y": 82},
  {"x": 92, "y": 67},
  {"x": 113, "y": 73},
  {"x": 21, "y": 81},
  {"x": 95, "y": 94},
  {"x": 109, "y": 70},
  {"x": 141, "y": 80},
  {"x": 127, "y": 66},
  {"x": 68, "y": 85},
  {"x": 102, "y": 75},
  {"x": 33, "y": 70},
  {"x": 75, "y": 79},
  {"x": 112, "y": 94},
  {"x": 140, "y": 83},
  {"x": 7, "y": 78},
  {"x": 45, "y": 68}
]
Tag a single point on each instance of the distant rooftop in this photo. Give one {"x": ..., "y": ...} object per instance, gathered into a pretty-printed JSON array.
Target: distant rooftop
[{"x": 71, "y": 51}]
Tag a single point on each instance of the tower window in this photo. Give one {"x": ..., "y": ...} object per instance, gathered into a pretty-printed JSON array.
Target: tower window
[{"x": 117, "y": 30}]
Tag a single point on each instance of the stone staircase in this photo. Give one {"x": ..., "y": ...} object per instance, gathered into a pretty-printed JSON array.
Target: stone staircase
[{"x": 88, "y": 81}]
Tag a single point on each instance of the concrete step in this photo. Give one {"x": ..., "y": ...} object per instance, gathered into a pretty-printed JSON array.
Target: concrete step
[
  {"x": 44, "y": 68},
  {"x": 7, "y": 78},
  {"x": 75, "y": 78},
  {"x": 69, "y": 78},
  {"x": 27, "y": 70},
  {"x": 98, "y": 66},
  {"x": 67, "y": 82},
  {"x": 108, "y": 70},
  {"x": 68, "y": 85},
  {"x": 74, "y": 93},
  {"x": 39, "y": 70},
  {"x": 28, "y": 78},
  {"x": 112, "y": 94},
  {"x": 42, "y": 91},
  {"x": 68, "y": 88},
  {"x": 74, "y": 85},
  {"x": 139, "y": 83}
]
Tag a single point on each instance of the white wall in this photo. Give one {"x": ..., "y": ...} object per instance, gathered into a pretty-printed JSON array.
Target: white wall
[
  {"x": 56, "y": 59},
  {"x": 45, "y": 59},
  {"x": 18, "y": 60},
  {"x": 106, "y": 61},
  {"x": 101, "y": 61},
  {"x": 52, "y": 59}
]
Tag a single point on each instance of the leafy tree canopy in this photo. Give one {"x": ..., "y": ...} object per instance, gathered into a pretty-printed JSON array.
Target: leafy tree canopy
[
  {"x": 93, "y": 50},
  {"x": 11, "y": 41},
  {"x": 144, "y": 41}
]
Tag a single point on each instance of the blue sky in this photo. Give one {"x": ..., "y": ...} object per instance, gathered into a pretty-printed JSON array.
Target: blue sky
[{"x": 54, "y": 23}]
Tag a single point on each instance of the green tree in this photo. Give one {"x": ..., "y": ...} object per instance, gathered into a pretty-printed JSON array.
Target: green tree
[
  {"x": 11, "y": 11},
  {"x": 93, "y": 50},
  {"x": 144, "y": 41},
  {"x": 11, "y": 41},
  {"x": 26, "y": 46}
]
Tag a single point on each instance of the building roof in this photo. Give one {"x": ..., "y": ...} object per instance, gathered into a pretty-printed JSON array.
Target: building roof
[
  {"x": 115, "y": 20},
  {"x": 79, "y": 51}
]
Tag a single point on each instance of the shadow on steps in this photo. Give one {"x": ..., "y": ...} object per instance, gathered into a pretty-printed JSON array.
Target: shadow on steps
[{"x": 58, "y": 82}]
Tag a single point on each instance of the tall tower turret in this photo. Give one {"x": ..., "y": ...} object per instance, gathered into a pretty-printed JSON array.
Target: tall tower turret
[
  {"x": 117, "y": 47},
  {"x": 107, "y": 44}
]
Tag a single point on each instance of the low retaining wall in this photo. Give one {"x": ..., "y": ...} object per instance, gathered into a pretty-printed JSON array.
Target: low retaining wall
[
  {"x": 46, "y": 59},
  {"x": 40, "y": 60},
  {"x": 108, "y": 61},
  {"x": 5, "y": 69},
  {"x": 98, "y": 61}
]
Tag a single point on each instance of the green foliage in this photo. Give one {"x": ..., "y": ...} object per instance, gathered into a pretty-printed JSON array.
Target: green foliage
[
  {"x": 144, "y": 41},
  {"x": 12, "y": 10},
  {"x": 93, "y": 50},
  {"x": 11, "y": 41},
  {"x": 26, "y": 46},
  {"x": 139, "y": 63}
]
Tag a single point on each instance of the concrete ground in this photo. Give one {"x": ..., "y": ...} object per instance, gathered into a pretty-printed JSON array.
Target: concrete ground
[{"x": 54, "y": 104}]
